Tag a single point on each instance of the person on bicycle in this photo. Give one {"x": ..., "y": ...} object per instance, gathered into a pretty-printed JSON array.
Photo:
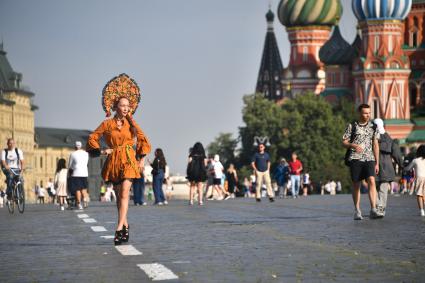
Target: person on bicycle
[{"x": 11, "y": 158}]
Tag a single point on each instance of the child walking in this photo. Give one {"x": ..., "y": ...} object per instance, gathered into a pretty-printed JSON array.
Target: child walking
[
  {"x": 60, "y": 182},
  {"x": 419, "y": 185}
]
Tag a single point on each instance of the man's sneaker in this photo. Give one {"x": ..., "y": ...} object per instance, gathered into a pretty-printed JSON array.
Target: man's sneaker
[
  {"x": 374, "y": 214},
  {"x": 271, "y": 199},
  {"x": 358, "y": 215},
  {"x": 422, "y": 212},
  {"x": 165, "y": 202},
  {"x": 160, "y": 203},
  {"x": 144, "y": 204},
  {"x": 380, "y": 212},
  {"x": 226, "y": 197},
  {"x": 258, "y": 199}
]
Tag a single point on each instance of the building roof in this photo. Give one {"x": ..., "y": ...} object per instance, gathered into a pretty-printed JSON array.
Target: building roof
[
  {"x": 270, "y": 75},
  {"x": 8, "y": 77},
  {"x": 337, "y": 51},
  {"x": 366, "y": 10},
  {"x": 55, "y": 137},
  {"x": 305, "y": 13}
]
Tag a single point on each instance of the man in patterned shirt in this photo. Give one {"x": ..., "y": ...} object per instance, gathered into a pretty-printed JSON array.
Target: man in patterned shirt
[{"x": 360, "y": 138}]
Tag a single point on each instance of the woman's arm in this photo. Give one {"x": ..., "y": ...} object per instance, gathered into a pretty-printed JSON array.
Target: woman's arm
[
  {"x": 93, "y": 144},
  {"x": 143, "y": 145}
]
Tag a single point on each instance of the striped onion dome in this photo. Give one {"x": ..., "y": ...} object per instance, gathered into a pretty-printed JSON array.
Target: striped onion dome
[
  {"x": 381, "y": 9},
  {"x": 309, "y": 12}
]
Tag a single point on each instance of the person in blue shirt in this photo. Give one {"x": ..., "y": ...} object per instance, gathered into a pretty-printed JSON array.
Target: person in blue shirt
[
  {"x": 281, "y": 174},
  {"x": 261, "y": 165}
]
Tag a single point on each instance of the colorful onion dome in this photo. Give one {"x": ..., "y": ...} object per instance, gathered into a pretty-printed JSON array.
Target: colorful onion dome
[
  {"x": 337, "y": 51},
  {"x": 309, "y": 12},
  {"x": 381, "y": 9}
]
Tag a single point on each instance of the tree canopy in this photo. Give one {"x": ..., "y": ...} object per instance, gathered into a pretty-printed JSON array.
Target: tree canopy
[{"x": 307, "y": 124}]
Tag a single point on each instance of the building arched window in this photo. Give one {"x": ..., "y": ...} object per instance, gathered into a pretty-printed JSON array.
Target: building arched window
[
  {"x": 375, "y": 108},
  {"x": 305, "y": 54},
  {"x": 41, "y": 161},
  {"x": 376, "y": 44}
]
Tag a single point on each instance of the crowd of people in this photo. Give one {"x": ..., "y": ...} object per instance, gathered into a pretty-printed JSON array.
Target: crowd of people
[{"x": 370, "y": 156}]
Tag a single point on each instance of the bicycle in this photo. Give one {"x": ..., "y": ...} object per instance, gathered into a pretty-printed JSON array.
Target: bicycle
[{"x": 17, "y": 194}]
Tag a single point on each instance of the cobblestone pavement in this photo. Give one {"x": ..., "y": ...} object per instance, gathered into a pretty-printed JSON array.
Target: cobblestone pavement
[{"x": 311, "y": 239}]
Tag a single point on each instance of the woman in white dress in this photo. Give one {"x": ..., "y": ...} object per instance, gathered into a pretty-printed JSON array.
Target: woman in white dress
[{"x": 60, "y": 182}]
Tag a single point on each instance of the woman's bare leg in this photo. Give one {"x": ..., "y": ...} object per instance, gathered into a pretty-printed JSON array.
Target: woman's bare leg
[
  {"x": 122, "y": 203},
  {"x": 200, "y": 191},
  {"x": 420, "y": 202},
  {"x": 191, "y": 191}
]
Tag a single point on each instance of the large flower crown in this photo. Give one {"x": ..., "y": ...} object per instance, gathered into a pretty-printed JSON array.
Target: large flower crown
[{"x": 117, "y": 88}]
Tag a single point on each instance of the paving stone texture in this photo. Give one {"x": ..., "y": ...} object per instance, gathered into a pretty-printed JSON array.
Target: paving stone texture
[{"x": 312, "y": 239}]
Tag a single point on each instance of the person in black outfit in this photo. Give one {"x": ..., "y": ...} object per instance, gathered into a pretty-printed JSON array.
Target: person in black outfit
[
  {"x": 158, "y": 172},
  {"x": 232, "y": 180},
  {"x": 196, "y": 171}
]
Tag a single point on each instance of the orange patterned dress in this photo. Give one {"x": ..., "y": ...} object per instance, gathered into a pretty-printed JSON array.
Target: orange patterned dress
[{"x": 121, "y": 163}]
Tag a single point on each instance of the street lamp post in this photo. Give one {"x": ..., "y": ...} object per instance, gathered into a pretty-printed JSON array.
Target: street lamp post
[{"x": 261, "y": 140}]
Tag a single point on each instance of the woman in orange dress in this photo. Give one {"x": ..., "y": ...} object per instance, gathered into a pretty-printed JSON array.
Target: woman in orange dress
[{"x": 121, "y": 166}]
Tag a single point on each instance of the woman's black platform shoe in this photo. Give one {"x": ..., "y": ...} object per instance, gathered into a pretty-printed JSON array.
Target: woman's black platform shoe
[
  {"x": 125, "y": 234},
  {"x": 118, "y": 237}
]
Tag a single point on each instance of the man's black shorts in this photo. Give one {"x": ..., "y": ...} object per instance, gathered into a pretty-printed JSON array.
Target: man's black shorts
[{"x": 361, "y": 170}]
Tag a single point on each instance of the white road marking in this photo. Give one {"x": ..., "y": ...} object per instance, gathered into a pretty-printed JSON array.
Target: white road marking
[
  {"x": 89, "y": 220},
  {"x": 128, "y": 250},
  {"x": 181, "y": 261},
  {"x": 108, "y": 237},
  {"x": 82, "y": 215},
  {"x": 98, "y": 228},
  {"x": 109, "y": 222},
  {"x": 157, "y": 272}
]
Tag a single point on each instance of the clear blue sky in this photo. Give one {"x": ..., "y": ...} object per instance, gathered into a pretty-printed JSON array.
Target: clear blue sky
[{"x": 193, "y": 59}]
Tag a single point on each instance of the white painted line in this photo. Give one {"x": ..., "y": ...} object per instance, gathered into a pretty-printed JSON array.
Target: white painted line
[
  {"x": 110, "y": 222},
  {"x": 181, "y": 261},
  {"x": 128, "y": 250},
  {"x": 157, "y": 272},
  {"x": 89, "y": 220},
  {"x": 98, "y": 228},
  {"x": 82, "y": 215},
  {"x": 108, "y": 237}
]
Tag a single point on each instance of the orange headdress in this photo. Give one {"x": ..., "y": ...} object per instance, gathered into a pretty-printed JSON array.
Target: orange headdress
[{"x": 117, "y": 88}]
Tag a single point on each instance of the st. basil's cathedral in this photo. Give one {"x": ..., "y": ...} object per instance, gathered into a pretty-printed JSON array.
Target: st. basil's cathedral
[{"x": 384, "y": 66}]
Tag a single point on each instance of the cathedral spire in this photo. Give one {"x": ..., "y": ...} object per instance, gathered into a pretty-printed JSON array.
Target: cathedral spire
[{"x": 269, "y": 80}]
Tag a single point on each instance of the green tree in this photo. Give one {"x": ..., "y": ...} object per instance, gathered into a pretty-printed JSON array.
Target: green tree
[
  {"x": 307, "y": 124},
  {"x": 262, "y": 118},
  {"x": 225, "y": 146}
]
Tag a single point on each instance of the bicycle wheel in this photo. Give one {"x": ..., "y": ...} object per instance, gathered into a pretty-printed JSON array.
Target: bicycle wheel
[
  {"x": 20, "y": 197},
  {"x": 11, "y": 202}
]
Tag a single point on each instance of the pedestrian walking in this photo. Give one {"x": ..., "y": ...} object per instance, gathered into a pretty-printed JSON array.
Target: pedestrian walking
[
  {"x": 60, "y": 182},
  {"x": 295, "y": 168},
  {"x": 41, "y": 194},
  {"x": 261, "y": 165},
  {"x": 139, "y": 189},
  {"x": 121, "y": 95},
  {"x": 306, "y": 183},
  {"x": 158, "y": 172},
  {"x": 281, "y": 175},
  {"x": 232, "y": 180},
  {"x": 360, "y": 138},
  {"x": 419, "y": 184},
  {"x": 388, "y": 151},
  {"x": 218, "y": 178},
  {"x": 110, "y": 193},
  {"x": 78, "y": 171},
  {"x": 196, "y": 171}
]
